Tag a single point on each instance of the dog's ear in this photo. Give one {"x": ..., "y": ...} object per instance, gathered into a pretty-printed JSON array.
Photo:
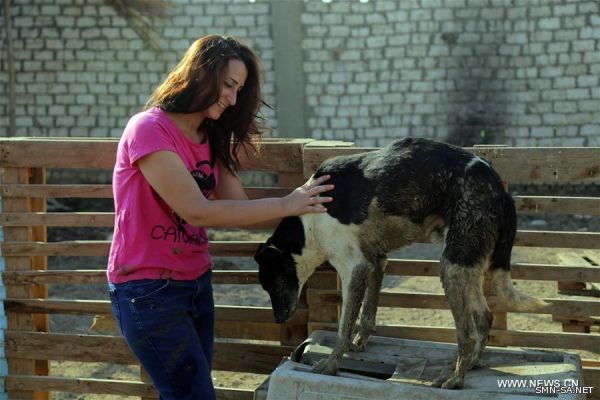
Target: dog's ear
[{"x": 267, "y": 253}]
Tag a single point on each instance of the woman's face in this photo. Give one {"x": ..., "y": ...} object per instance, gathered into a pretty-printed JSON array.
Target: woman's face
[{"x": 235, "y": 77}]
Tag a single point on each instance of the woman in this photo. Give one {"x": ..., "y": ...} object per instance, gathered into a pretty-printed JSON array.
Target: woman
[{"x": 175, "y": 175}]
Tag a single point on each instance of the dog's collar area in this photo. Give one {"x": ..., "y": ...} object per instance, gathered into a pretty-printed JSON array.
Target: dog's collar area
[{"x": 266, "y": 248}]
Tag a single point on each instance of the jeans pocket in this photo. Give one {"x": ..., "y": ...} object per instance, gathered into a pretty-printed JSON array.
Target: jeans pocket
[{"x": 146, "y": 294}]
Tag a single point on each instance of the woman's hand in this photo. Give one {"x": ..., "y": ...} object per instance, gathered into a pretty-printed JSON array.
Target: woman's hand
[{"x": 306, "y": 199}]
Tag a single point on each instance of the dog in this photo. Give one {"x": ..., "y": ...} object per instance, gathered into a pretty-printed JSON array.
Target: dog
[{"x": 412, "y": 190}]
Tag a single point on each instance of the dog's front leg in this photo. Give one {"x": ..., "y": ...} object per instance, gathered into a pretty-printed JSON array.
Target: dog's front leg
[
  {"x": 369, "y": 310},
  {"x": 353, "y": 291}
]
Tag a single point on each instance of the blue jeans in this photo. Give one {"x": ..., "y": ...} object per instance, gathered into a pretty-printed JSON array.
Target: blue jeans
[{"x": 169, "y": 325}]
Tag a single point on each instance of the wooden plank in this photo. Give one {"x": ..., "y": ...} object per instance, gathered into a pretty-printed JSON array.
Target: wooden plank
[
  {"x": 38, "y": 219},
  {"x": 320, "y": 297},
  {"x": 545, "y": 272},
  {"x": 80, "y": 385},
  {"x": 99, "y": 276},
  {"x": 498, "y": 337},
  {"x": 105, "y": 191},
  {"x": 38, "y": 233},
  {"x": 16, "y": 321},
  {"x": 516, "y": 165},
  {"x": 557, "y": 205},
  {"x": 54, "y": 276},
  {"x": 396, "y": 267},
  {"x": 92, "y": 307},
  {"x": 101, "y": 248},
  {"x": 587, "y": 240},
  {"x": 106, "y": 386},
  {"x": 100, "y": 154},
  {"x": 229, "y": 356},
  {"x": 573, "y": 240}
]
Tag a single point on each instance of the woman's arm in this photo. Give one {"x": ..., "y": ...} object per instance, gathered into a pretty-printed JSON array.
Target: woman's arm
[
  {"x": 167, "y": 174},
  {"x": 230, "y": 188}
]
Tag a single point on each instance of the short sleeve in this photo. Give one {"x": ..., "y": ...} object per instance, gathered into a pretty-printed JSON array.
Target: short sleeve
[{"x": 145, "y": 134}]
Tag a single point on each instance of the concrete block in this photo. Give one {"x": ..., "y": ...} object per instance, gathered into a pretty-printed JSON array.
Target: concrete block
[{"x": 404, "y": 369}]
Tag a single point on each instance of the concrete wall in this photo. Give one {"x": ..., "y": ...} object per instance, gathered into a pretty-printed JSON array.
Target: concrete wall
[{"x": 517, "y": 72}]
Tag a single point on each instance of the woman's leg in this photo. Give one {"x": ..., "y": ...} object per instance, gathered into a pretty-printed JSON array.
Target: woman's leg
[{"x": 156, "y": 319}]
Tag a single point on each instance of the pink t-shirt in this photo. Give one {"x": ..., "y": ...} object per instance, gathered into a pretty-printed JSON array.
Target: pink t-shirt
[{"x": 151, "y": 241}]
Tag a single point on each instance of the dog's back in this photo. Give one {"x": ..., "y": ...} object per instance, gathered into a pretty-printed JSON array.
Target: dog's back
[{"x": 415, "y": 180}]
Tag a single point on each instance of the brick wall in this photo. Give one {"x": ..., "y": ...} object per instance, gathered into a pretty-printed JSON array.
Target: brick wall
[
  {"x": 520, "y": 72},
  {"x": 516, "y": 72},
  {"x": 82, "y": 70}
]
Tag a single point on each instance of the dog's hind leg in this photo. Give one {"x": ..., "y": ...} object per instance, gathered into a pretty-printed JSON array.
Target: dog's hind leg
[
  {"x": 369, "y": 308},
  {"x": 353, "y": 290},
  {"x": 463, "y": 286}
]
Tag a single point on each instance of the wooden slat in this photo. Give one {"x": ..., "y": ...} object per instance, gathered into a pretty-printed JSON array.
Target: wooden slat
[
  {"x": 545, "y": 272},
  {"x": 516, "y": 165},
  {"x": 228, "y": 356},
  {"x": 105, "y": 191},
  {"x": 557, "y": 205},
  {"x": 101, "y": 247},
  {"x": 498, "y": 337},
  {"x": 285, "y": 156},
  {"x": 586, "y": 240},
  {"x": 79, "y": 219},
  {"x": 396, "y": 267},
  {"x": 573, "y": 240},
  {"x": 99, "y": 276},
  {"x": 24, "y": 322},
  {"x": 80, "y": 385},
  {"x": 107, "y": 386},
  {"x": 93, "y": 307},
  {"x": 318, "y": 297},
  {"x": 56, "y": 191}
]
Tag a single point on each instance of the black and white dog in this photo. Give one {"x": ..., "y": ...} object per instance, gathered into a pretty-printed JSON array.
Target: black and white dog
[{"x": 411, "y": 190}]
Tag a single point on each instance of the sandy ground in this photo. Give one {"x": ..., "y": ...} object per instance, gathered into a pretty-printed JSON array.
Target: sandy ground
[{"x": 253, "y": 295}]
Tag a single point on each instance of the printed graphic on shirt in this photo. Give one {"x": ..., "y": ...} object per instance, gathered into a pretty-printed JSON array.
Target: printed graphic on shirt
[{"x": 205, "y": 179}]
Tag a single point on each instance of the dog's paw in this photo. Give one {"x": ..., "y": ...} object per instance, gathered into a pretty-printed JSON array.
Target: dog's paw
[
  {"x": 453, "y": 383},
  {"x": 326, "y": 366},
  {"x": 359, "y": 343}
]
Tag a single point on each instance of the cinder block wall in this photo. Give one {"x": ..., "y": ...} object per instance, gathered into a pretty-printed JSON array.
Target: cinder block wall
[
  {"x": 519, "y": 72},
  {"x": 82, "y": 70},
  {"x": 516, "y": 72}
]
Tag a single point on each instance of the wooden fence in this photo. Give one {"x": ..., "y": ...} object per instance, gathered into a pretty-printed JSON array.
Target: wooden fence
[{"x": 247, "y": 338}]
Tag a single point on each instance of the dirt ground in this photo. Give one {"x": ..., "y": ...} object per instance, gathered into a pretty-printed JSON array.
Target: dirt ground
[{"x": 253, "y": 295}]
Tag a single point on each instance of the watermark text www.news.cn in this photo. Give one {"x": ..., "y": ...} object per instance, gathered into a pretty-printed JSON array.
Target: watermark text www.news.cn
[{"x": 546, "y": 386}]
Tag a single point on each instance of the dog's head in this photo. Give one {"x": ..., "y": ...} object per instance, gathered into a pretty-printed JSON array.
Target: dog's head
[{"x": 278, "y": 269}]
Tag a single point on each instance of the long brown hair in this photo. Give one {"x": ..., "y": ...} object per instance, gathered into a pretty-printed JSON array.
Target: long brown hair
[{"x": 195, "y": 84}]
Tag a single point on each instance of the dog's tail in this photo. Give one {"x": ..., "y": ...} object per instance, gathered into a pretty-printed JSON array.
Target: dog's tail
[{"x": 508, "y": 296}]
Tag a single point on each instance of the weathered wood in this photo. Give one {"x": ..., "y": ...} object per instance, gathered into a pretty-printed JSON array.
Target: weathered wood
[
  {"x": 93, "y": 307},
  {"x": 101, "y": 247},
  {"x": 229, "y": 356},
  {"x": 319, "y": 297},
  {"x": 56, "y": 191},
  {"x": 516, "y": 165},
  {"x": 38, "y": 233},
  {"x": 16, "y": 321},
  {"x": 400, "y": 267},
  {"x": 99, "y": 276},
  {"x": 498, "y": 337},
  {"x": 80, "y": 385},
  {"x": 557, "y": 205},
  {"x": 574, "y": 240},
  {"x": 106, "y": 386},
  {"x": 587, "y": 240},
  {"x": 83, "y": 219},
  {"x": 285, "y": 156},
  {"x": 105, "y": 191}
]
